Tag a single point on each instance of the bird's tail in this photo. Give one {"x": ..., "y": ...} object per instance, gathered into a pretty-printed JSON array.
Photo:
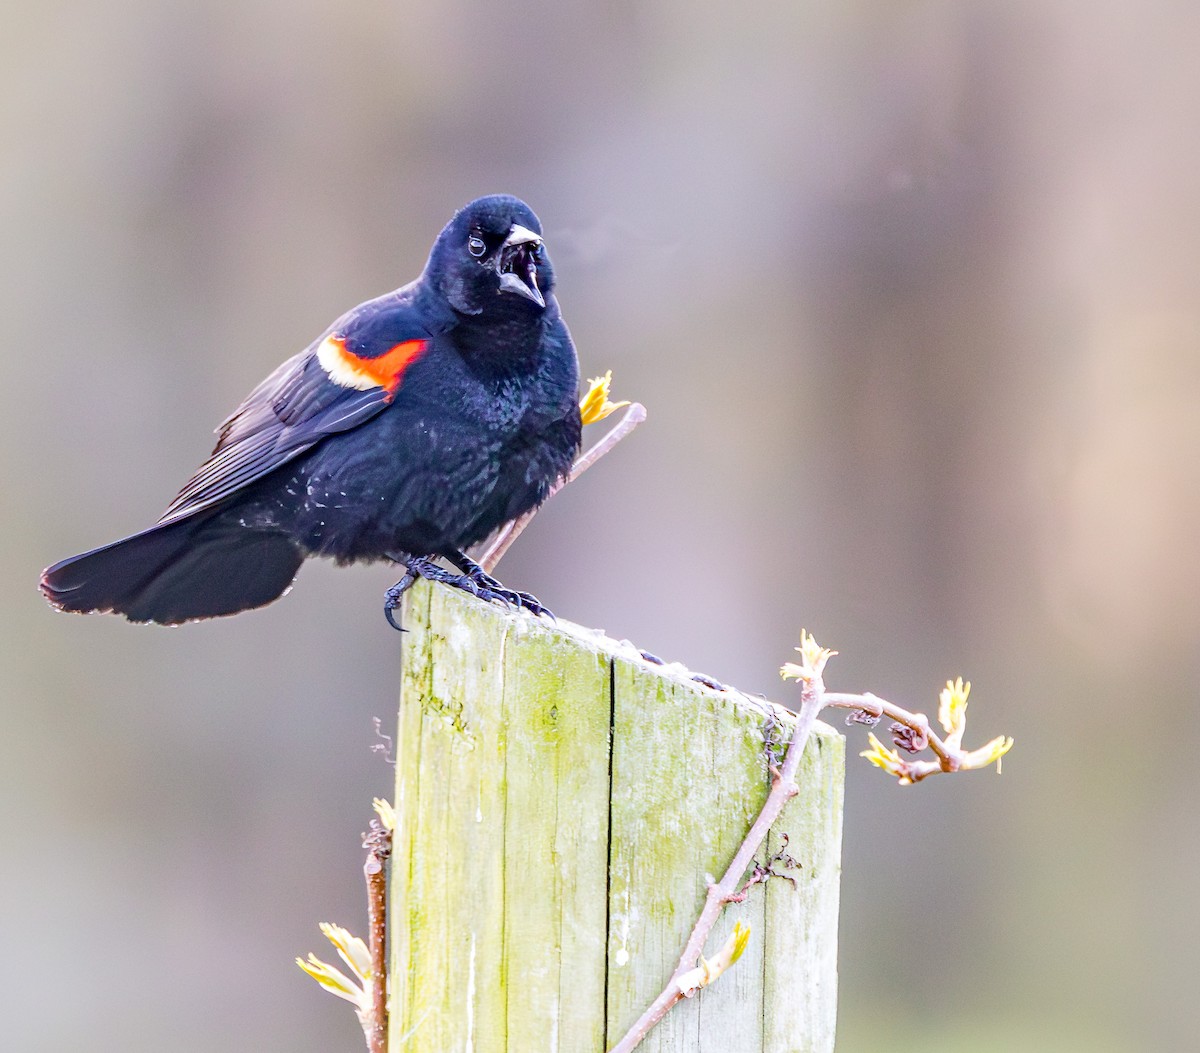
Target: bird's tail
[{"x": 175, "y": 572}]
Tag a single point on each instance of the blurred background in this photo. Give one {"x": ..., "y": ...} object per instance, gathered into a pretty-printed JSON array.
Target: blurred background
[{"x": 910, "y": 292}]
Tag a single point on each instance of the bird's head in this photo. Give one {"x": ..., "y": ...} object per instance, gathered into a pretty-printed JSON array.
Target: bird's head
[{"x": 490, "y": 257}]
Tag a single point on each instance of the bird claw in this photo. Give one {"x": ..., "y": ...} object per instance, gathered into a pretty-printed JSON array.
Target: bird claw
[
  {"x": 475, "y": 581},
  {"x": 391, "y": 599},
  {"x": 490, "y": 588},
  {"x": 518, "y": 600}
]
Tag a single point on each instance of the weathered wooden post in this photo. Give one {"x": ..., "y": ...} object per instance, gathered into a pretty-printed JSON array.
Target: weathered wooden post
[{"x": 559, "y": 803}]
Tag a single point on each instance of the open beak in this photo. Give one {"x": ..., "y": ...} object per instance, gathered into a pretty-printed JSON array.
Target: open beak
[{"x": 515, "y": 264}]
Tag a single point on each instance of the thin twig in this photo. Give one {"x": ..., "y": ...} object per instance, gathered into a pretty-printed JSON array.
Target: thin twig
[
  {"x": 490, "y": 555},
  {"x": 881, "y": 707},
  {"x": 783, "y": 788},
  {"x": 762, "y": 874},
  {"x": 378, "y": 843},
  {"x": 949, "y": 758}
]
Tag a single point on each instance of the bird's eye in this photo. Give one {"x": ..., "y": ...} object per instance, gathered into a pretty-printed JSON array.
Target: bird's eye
[{"x": 475, "y": 245}]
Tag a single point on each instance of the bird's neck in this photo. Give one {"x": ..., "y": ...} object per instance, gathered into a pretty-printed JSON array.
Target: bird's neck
[{"x": 504, "y": 339}]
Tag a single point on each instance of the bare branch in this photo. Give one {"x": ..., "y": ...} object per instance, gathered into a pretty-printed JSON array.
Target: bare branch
[{"x": 378, "y": 843}]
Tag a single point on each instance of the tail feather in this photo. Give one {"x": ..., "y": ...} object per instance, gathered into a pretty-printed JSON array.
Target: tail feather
[{"x": 192, "y": 568}]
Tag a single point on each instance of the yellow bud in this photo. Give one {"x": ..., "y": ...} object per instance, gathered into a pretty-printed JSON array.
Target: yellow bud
[
  {"x": 883, "y": 757},
  {"x": 386, "y": 813},
  {"x": 595, "y": 406},
  {"x": 815, "y": 656},
  {"x": 707, "y": 972},
  {"x": 359, "y": 988},
  {"x": 350, "y": 948},
  {"x": 985, "y": 755},
  {"x": 952, "y": 710},
  {"x": 333, "y": 980}
]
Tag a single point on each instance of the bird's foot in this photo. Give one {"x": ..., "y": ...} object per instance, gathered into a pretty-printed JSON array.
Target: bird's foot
[
  {"x": 474, "y": 580},
  {"x": 490, "y": 589}
]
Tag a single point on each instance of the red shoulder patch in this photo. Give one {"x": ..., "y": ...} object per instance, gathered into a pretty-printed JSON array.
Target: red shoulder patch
[{"x": 383, "y": 371}]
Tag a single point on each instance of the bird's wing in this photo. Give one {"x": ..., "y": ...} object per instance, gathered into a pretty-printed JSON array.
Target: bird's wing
[{"x": 344, "y": 379}]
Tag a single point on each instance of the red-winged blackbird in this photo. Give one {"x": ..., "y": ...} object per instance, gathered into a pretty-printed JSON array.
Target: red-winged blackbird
[{"x": 414, "y": 427}]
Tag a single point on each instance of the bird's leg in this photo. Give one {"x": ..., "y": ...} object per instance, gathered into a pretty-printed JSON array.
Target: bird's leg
[
  {"x": 491, "y": 589},
  {"x": 471, "y": 569},
  {"x": 474, "y": 580}
]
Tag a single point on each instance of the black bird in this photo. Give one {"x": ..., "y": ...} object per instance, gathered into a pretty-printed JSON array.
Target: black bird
[{"x": 414, "y": 427}]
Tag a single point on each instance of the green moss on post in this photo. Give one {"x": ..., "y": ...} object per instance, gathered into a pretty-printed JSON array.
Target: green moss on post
[{"x": 559, "y": 804}]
